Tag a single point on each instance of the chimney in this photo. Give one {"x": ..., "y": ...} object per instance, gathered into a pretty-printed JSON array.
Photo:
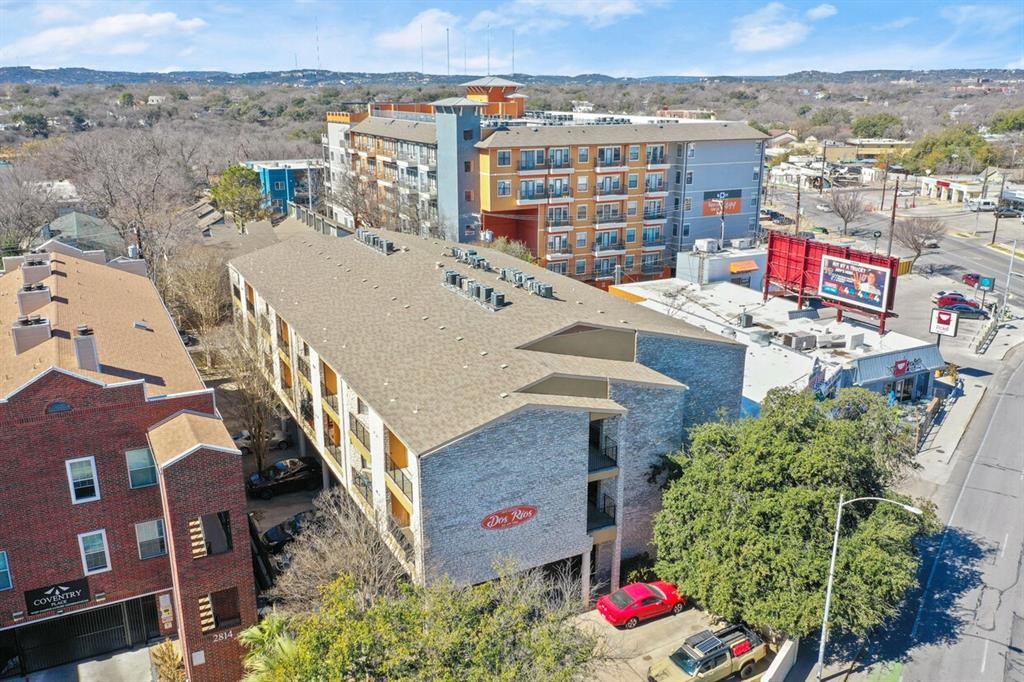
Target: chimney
[
  {"x": 28, "y": 332},
  {"x": 36, "y": 268},
  {"x": 32, "y": 297},
  {"x": 85, "y": 349}
]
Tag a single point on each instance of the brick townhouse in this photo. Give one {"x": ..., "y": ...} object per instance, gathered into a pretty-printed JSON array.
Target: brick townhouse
[
  {"x": 478, "y": 407},
  {"x": 122, "y": 494}
]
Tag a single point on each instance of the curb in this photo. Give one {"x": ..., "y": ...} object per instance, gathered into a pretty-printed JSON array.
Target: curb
[
  {"x": 1004, "y": 249},
  {"x": 952, "y": 452}
]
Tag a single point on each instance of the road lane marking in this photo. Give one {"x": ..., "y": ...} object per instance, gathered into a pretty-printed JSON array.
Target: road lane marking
[
  {"x": 1006, "y": 541},
  {"x": 956, "y": 505},
  {"x": 984, "y": 657}
]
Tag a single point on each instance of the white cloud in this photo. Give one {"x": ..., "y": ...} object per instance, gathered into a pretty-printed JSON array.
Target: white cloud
[
  {"x": 544, "y": 15},
  {"x": 823, "y": 11},
  {"x": 97, "y": 37},
  {"x": 129, "y": 47},
  {"x": 431, "y": 22},
  {"x": 1019, "y": 64},
  {"x": 982, "y": 18},
  {"x": 897, "y": 24},
  {"x": 772, "y": 27}
]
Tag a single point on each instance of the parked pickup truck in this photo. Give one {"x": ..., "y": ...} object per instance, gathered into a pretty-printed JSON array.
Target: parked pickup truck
[{"x": 711, "y": 656}]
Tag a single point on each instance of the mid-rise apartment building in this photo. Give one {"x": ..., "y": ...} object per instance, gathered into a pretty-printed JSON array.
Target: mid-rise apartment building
[
  {"x": 597, "y": 197},
  {"x": 477, "y": 407},
  {"x": 122, "y": 495}
]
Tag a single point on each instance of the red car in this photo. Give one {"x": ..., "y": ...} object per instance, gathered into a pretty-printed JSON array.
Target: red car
[
  {"x": 640, "y": 601},
  {"x": 971, "y": 279},
  {"x": 953, "y": 300}
]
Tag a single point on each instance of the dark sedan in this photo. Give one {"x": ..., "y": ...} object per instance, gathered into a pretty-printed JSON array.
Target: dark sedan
[
  {"x": 276, "y": 537},
  {"x": 967, "y": 311},
  {"x": 288, "y": 475},
  {"x": 1007, "y": 212}
]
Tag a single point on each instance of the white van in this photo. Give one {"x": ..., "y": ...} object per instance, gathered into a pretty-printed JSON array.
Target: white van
[{"x": 980, "y": 205}]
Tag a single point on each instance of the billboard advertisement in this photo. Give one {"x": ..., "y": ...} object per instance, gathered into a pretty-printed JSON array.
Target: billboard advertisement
[
  {"x": 857, "y": 284},
  {"x": 944, "y": 322},
  {"x": 732, "y": 198}
]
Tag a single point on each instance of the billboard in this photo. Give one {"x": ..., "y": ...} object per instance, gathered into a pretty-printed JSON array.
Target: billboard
[
  {"x": 731, "y": 198},
  {"x": 857, "y": 284},
  {"x": 944, "y": 322}
]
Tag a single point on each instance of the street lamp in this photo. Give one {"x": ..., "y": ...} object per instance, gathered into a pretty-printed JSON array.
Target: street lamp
[{"x": 832, "y": 566}]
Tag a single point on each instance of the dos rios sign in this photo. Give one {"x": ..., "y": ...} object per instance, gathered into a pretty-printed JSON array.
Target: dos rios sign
[
  {"x": 57, "y": 596},
  {"x": 509, "y": 517}
]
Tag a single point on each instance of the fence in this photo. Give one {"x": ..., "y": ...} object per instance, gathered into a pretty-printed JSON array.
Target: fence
[
  {"x": 988, "y": 332},
  {"x": 320, "y": 223}
]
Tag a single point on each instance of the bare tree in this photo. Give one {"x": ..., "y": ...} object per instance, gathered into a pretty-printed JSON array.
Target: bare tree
[
  {"x": 917, "y": 234},
  {"x": 513, "y": 248},
  {"x": 26, "y": 204},
  {"x": 195, "y": 285},
  {"x": 359, "y": 199},
  {"x": 340, "y": 539},
  {"x": 256, "y": 399},
  {"x": 847, "y": 204}
]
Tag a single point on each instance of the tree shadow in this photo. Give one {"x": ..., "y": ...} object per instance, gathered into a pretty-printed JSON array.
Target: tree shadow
[{"x": 935, "y": 618}]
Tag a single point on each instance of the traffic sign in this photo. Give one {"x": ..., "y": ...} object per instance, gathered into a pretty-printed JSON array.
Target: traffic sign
[
  {"x": 987, "y": 283},
  {"x": 878, "y": 233}
]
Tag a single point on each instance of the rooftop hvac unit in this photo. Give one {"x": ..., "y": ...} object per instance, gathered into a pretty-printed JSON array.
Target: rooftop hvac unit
[
  {"x": 467, "y": 283},
  {"x": 746, "y": 320},
  {"x": 855, "y": 340},
  {"x": 388, "y": 246},
  {"x": 705, "y": 245},
  {"x": 484, "y": 264},
  {"x": 831, "y": 341},
  {"x": 451, "y": 278},
  {"x": 745, "y": 243},
  {"x": 546, "y": 291},
  {"x": 497, "y": 299},
  {"x": 485, "y": 293},
  {"x": 761, "y": 337},
  {"x": 805, "y": 342},
  {"x": 788, "y": 340}
]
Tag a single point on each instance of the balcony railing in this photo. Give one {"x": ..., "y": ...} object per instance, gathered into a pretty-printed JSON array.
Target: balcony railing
[
  {"x": 603, "y": 456},
  {"x": 605, "y": 218},
  {"x": 603, "y": 272},
  {"x": 361, "y": 433},
  {"x": 330, "y": 398},
  {"x": 651, "y": 268},
  {"x": 403, "y": 536},
  {"x": 334, "y": 449},
  {"x": 400, "y": 478},
  {"x": 655, "y": 187},
  {"x": 284, "y": 344},
  {"x": 576, "y": 274},
  {"x": 605, "y": 191},
  {"x": 602, "y": 514},
  {"x": 558, "y": 222},
  {"x": 561, "y": 248},
  {"x": 265, "y": 325},
  {"x": 607, "y": 246},
  {"x": 653, "y": 241},
  {"x": 361, "y": 482},
  {"x": 559, "y": 164},
  {"x": 531, "y": 165},
  {"x": 559, "y": 193},
  {"x": 535, "y": 194},
  {"x": 654, "y": 215},
  {"x": 303, "y": 365},
  {"x": 609, "y": 161},
  {"x": 655, "y": 159}
]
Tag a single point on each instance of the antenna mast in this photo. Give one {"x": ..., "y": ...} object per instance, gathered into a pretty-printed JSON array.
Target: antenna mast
[
  {"x": 488, "y": 49},
  {"x": 513, "y": 53},
  {"x": 421, "y": 49},
  {"x": 448, "y": 50},
  {"x": 317, "y": 34}
]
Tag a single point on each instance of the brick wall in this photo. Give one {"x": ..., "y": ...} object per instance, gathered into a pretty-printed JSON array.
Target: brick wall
[
  {"x": 191, "y": 487},
  {"x": 40, "y": 524}
]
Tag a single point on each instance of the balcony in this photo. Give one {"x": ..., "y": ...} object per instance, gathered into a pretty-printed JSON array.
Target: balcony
[
  {"x": 609, "y": 218},
  {"x": 561, "y": 193},
  {"x": 265, "y": 325},
  {"x": 603, "y": 273},
  {"x": 652, "y": 268},
  {"x": 404, "y": 537},
  {"x": 603, "y": 457},
  {"x": 560, "y": 249},
  {"x": 332, "y": 400},
  {"x": 560, "y": 164},
  {"x": 654, "y": 215},
  {"x": 609, "y": 162},
  {"x": 558, "y": 222},
  {"x": 657, "y": 160},
  {"x": 400, "y": 477},
  {"x": 334, "y": 449},
  {"x": 362, "y": 484},
  {"x": 576, "y": 274},
  {"x": 283, "y": 344},
  {"x": 654, "y": 241},
  {"x": 605, "y": 193},
  {"x": 303, "y": 366},
  {"x": 531, "y": 166},
  {"x": 601, "y": 247},
  {"x": 600, "y": 515},
  {"x": 655, "y": 187},
  {"x": 535, "y": 195},
  {"x": 360, "y": 432}
]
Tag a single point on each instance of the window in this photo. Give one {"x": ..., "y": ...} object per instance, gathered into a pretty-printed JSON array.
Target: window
[
  {"x": 505, "y": 157},
  {"x": 630, "y": 261},
  {"x": 581, "y": 239},
  {"x": 675, "y": 229},
  {"x": 757, "y": 147},
  {"x": 581, "y": 183},
  {"x": 558, "y": 267},
  {"x": 6, "y": 582},
  {"x": 581, "y": 212},
  {"x": 675, "y": 203},
  {"x": 217, "y": 531},
  {"x": 687, "y": 203},
  {"x": 686, "y": 229},
  {"x": 85, "y": 486},
  {"x": 631, "y": 234},
  {"x": 630, "y": 208},
  {"x": 634, "y": 152},
  {"x": 504, "y": 188},
  {"x": 679, "y": 150},
  {"x": 690, "y": 148},
  {"x": 467, "y": 166},
  {"x": 141, "y": 468},
  {"x": 633, "y": 181},
  {"x": 689, "y": 177},
  {"x": 757, "y": 173},
  {"x": 584, "y": 154},
  {"x": 150, "y": 537},
  {"x": 469, "y": 195},
  {"x": 224, "y": 605},
  {"x": 58, "y": 406},
  {"x": 467, "y": 134},
  {"x": 581, "y": 267},
  {"x": 279, "y": 186},
  {"x": 95, "y": 554}
]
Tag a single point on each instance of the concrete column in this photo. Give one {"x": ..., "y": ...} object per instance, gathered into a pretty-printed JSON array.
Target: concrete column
[
  {"x": 585, "y": 577},
  {"x": 302, "y": 441}
]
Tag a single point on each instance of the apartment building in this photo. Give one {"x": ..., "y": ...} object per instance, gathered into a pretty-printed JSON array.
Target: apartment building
[
  {"x": 598, "y": 197},
  {"x": 480, "y": 408},
  {"x": 122, "y": 495}
]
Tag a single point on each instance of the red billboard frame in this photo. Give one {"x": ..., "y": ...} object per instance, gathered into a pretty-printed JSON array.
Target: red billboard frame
[{"x": 794, "y": 268}]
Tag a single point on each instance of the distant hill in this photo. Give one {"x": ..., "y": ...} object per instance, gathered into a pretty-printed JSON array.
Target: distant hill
[{"x": 315, "y": 77}]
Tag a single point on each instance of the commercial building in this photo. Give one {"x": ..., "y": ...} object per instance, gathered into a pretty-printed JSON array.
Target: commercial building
[
  {"x": 299, "y": 181},
  {"x": 864, "y": 148},
  {"x": 480, "y": 408},
  {"x": 598, "y": 197},
  {"x": 123, "y": 498}
]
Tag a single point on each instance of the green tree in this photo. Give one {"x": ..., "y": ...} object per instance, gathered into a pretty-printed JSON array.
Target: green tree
[
  {"x": 517, "y": 627},
  {"x": 53, "y": 91},
  {"x": 238, "y": 191},
  {"x": 958, "y": 148},
  {"x": 1009, "y": 121},
  {"x": 803, "y": 110},
  {"x": 831, "y": 116},
  {"x": 879, "y": 125},
  {"x": 746, "y": 526},
  {"x": 126, "y": 99},
  {"x": 36, "y": 124}
]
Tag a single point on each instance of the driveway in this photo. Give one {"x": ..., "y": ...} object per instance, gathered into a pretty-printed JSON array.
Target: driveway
[
  {"x": 626, "y": 654},
  {"x": 131, "y": 665}
]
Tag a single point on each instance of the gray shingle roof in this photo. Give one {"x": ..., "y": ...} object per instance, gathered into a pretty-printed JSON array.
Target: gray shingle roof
[
  {"x": 492, "y": 81},
  {"x": 398, "y": 129},
  {"x": 458, "y": 102},
  {"x": 524, "y": 136},
  {"x": 434, "y": 364}
]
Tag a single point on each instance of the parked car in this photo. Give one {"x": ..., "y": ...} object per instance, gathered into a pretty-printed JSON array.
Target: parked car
[
  {"x": 278, "y": 440},
  {"x": 967, "y": 311},
  {"x": 942, "y": 294},
  {"x": 971, "y": 279},
  {"x": 286, "y": 476},
  {"x": 1007, "y": 212},
  {"x": 782, "y": 220},
  {"x": 640, "y": 601},
  {"x": 818, "y": 229},
  {"x": 277, "y": 537},
  {"x": 956, "y": 300},
  {"x": 712, "y": 656},
  {"x": 906, "y": 193},
  {"x": 976, "y": 205},
  {"x": 824, "y": 208}
]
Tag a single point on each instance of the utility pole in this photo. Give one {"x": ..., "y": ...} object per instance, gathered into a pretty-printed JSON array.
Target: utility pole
[
  {"x": 821, "y": 178},
  {"x": 1009, "y": 276},
  {"x": 721, "y": 215},
  {"x": 1002, "y": 186},
  {"x": 892, "y": 220},
  {"x": 885, "y": 179},
  {"x": 796, "y": 229}
]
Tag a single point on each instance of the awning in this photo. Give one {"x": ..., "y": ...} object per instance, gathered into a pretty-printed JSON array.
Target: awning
[
  {"x": 897, "y": 364},
  {"x": 743, "y": 266}
]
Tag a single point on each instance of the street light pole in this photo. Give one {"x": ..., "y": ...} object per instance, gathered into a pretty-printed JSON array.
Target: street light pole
[{"x": 832, "y": 567}]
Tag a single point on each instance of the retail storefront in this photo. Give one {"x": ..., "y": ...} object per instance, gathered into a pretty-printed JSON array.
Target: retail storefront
[{"x": 904, "y": 375}]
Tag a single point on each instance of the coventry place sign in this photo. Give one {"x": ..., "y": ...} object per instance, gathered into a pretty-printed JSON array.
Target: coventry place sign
[
  {"x": 57, "y": 596},
  {"x": 507, "y": 518}
]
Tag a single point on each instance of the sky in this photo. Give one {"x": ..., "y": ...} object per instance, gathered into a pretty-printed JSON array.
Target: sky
[{"x": 564, "y": 37}]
